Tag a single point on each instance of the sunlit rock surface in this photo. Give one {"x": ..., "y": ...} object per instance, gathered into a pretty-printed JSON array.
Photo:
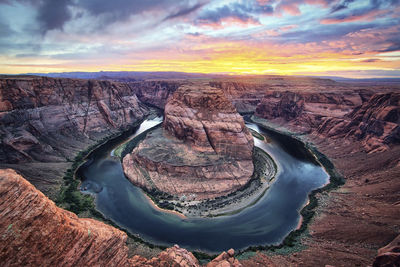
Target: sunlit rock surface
[{"x": 203, "y": 150}]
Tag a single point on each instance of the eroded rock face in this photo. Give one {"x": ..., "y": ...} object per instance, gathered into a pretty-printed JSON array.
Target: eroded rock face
[
  {"x": 46, "y": 120},
  {"x": 389, "y": 255},
  {"x": 37, "y": 233},
  {"x": 174, "y": 256},
  {"x": 375, "y": 122},
  {"x": 155, "y": 93},
  {"x": 203, "y": 150},
  {"x": 287, "y": 105},
  {"x": 203, "y": 117},
  {"x": 42, "y": 117}
]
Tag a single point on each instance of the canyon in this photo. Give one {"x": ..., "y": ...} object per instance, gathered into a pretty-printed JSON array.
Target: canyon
[{"x": 44, "y": 122}]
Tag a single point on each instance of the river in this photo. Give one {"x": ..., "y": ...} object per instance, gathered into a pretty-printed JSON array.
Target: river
[{"x": 267, "y": 222}]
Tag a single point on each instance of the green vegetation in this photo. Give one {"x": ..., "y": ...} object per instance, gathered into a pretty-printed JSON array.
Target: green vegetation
[
  {"x": 127, "y": 147},
  {"x": 201, "y": 256},
  {"x": 292, "y": 242},
  {"x": 257, "y": 134},
  {"x": 72, "y": 199},
  {"x": 119, "y": 149}
]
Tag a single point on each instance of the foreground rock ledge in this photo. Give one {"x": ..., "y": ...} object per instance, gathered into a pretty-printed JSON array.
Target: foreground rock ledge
[
  {"x": 34, "y": 232},
  {"x": 204, "y": 149}
]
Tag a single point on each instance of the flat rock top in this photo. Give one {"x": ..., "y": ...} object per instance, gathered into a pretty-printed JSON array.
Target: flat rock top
[
  {"x": 202, "y": 97},
  {"x": 159, "y": 147}
]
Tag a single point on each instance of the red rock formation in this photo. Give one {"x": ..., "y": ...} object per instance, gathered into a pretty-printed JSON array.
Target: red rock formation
[
  {"x": 389, "y": 255},
  {"x": 203, "y": 151},
  {"x": 174, "y": 256},
  {"x": 204, "y": 118},
  {"x": 375, "y": 122},
  {"x": 171, "y": 166},
  {"x": 49, "y": 120},
  {"x": 37, "y": 233},
  {"x": 41, "y": 116},
  {"x": 225, "y": 259}
]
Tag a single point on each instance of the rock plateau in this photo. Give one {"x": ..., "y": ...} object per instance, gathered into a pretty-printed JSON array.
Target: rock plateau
[{"x": 204, "y": 149}]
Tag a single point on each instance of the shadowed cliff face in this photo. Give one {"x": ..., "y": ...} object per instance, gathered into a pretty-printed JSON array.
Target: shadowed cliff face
[
  {"x": 155, "y": 93},
  {"x": 374, "y": 122},
  {"x": 43, "y": 119},
  {"x": 203, "y": 151},
  {"x": 44, "y": 122}
]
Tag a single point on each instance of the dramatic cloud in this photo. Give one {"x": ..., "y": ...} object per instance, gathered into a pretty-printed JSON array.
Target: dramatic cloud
[
  {"x": 245, "y": 12},
  {"x": 53, "y": 14},
  {"x": 369, "y": 11},
  {"x": 304, "y": 37}
]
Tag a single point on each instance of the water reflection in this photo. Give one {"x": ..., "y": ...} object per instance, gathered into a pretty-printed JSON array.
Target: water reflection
[{"x": 266, "y": 222}]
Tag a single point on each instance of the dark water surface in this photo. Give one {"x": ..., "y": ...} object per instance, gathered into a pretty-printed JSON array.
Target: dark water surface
[{"x": 267, "y": 222}]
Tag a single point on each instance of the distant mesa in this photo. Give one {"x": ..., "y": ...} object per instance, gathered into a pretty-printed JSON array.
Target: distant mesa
[{"x": 203, "y": 150}]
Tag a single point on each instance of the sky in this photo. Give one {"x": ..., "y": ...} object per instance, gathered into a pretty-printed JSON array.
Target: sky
[{"x": 348, "y": 38}]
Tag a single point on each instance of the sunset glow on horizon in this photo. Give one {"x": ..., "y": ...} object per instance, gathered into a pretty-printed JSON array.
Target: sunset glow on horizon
[{"x": 348, "y": 38}]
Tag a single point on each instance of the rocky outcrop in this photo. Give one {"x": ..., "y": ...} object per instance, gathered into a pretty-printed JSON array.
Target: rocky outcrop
[
  {"x": 203, "y": 118},
  {"x": 225, "y": 259},
  {"x": 177, "y": 256},
  {"x": 155, "y": 93},
  {"x": 389, "y": 255},
  {"x": 174, "y": 256},
  {"x": 169, "y": 165},
  {"x": 46, "y": 120},
  {"x": 37, "y": 233},
  {"x": 203, "y": 150},
  {"x": 286, "y": 105},
  {"x": 374, "y": 122}
]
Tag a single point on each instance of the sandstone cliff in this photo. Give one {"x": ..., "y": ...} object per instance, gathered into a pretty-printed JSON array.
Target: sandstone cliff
[
  {"x": 204, "y": 118},
  {"x": 45, "y": 120},
  {"x": 374, "y": 122},
  {"x": 155, "y": 93},
  {"x": 203, "y": 151},
  {"x": 37, "y": 233}
]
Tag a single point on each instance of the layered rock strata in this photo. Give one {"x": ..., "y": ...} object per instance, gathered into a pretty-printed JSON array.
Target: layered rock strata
[
  {"x": 46, "y": 120},
  {"x": 37, "y": 233},
  {"x": 374, "y": 122},
  {"x": 203, "y": 118},
  {"x": 34, "y": 232},
  {"x": 204, "y": 149}
]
